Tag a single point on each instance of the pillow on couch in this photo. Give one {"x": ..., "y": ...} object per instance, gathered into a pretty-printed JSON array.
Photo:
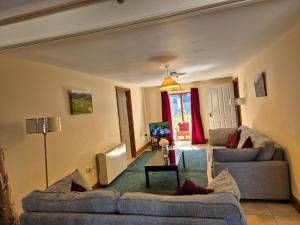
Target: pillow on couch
[
  {"x": 224, "y": 182},
  {"x": 233, "y": 139},
  {"x": 65, "y": 184},
  {"x": 191, "y": 188},
  {"x": 248, "y": 143}
]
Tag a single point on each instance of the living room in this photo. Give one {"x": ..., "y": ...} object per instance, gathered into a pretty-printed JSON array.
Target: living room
[{"x": 203, "y": 45}]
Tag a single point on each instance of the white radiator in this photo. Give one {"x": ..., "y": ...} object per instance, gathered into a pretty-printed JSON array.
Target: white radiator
[{"x": 111, "y": 163}]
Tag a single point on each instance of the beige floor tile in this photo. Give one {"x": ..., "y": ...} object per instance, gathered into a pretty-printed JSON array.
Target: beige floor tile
[
  {"x": 260, "y": 220},
  {"x": 282, "y": 209},
  {"x": 256, "y": 208},
  {"x": 287, "y": 220}
]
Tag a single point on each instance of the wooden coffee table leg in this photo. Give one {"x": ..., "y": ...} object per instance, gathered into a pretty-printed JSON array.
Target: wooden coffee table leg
[
  {"x": 183, "y": 159},
  {"x": 147, "y": 178},
  {"x": 177, "y": 174}
]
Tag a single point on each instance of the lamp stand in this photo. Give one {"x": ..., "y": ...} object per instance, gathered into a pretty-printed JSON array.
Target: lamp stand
[{"x": 46, "y": 165}]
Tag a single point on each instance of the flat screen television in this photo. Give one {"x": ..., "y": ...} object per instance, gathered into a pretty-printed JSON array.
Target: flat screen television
[{"x": 161, "y": 129}]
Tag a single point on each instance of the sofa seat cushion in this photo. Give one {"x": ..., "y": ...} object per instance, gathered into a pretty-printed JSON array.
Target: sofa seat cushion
[
  {"x": 97, "y": 201},
  {"x": 219, "y": 136},
  {"x": 222, "y": 206},
  {"x": 65, "y": 184},
  {"x": 225, "y": 183}
]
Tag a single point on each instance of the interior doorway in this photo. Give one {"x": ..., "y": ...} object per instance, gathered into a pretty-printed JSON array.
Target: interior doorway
[
  {"x": 126, "y": 120},
  {"x": 181, "y": 115},
  {"x": 222, "y": 114}
]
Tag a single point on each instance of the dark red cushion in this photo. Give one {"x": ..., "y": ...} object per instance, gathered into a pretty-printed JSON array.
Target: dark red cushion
[
  {"x": 190, "y": 188},
  {"x": 233, "y": 139},
  {"x": 77, "y": 187},
  {"x": 248, "y": 143}
]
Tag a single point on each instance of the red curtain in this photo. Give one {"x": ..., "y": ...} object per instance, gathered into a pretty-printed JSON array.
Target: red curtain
[
  {"x": 166, "y": 110},
  {"x": 197, "y": 128}
]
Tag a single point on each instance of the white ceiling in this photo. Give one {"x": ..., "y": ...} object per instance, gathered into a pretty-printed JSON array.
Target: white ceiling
[{"x": 206, "y": 46}]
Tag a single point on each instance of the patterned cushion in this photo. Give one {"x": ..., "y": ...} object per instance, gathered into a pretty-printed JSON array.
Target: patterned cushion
[
  {"x": 219, "y": 136},
  {"x": 223, "y": 183},
  {"x": 96, "y": 201},
  {"x": 64, "y": 184}
]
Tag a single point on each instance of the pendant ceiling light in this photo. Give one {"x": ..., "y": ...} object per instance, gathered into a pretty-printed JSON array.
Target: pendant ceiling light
[{"x": 168, "y": 81}]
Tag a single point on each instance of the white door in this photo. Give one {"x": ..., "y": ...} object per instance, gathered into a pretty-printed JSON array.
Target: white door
[
  {"x": 222, "y": 115},
  {"x": 123, "y": 119}
]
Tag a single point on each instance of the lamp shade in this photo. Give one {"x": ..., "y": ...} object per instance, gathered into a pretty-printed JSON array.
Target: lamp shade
[
  {"x": 168, "y": 83},
  {"x": 43, "y": 125}
]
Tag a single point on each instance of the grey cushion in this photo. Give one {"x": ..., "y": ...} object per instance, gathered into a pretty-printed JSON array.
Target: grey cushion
[
  {"x": 243, "y": 136},
  {"x": 219, "y": 136},
  {"x": 97, "y": 201},
  {"x": 64, "y": 184},
  {"x": 225, "y": 183},
  {"x": 261, "y": 141},
  {"x": 222, "y": 206},
  {"x": 235, "y": 155}
]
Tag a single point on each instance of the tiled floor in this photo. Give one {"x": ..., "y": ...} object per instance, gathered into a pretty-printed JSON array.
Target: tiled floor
[{"x": 270, "y": 213}]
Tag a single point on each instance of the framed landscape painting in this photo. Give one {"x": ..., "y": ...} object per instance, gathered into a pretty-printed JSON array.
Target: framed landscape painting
[{"x": 80, "y": 102}]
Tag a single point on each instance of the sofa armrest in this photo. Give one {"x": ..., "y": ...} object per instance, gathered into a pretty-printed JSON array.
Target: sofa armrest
[
  {"x": 259, "y": 179},
  {"x": 235, "y": 155}
]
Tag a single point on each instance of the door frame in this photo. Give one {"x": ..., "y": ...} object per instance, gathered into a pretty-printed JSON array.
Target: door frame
[
  {"x": 130, "y": 117},
  {"x": 236, "y": 92}
]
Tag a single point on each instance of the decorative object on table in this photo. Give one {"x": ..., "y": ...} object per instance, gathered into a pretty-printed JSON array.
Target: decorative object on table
[
  {"x": 163, "y": 143},
  {"x": 7, "y": 213},
  {"x": 80, "y": 102},
  {"x": 260, "y": 85},
  {"x": 43, "y": 125},
  {"x": 172, "y": 156}
]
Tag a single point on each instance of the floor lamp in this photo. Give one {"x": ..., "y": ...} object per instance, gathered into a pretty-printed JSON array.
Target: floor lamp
[{"x": 43, "y": 125}]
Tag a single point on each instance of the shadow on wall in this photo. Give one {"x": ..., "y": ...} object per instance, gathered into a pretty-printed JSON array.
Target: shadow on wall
[{"x": 12, "y": 134}]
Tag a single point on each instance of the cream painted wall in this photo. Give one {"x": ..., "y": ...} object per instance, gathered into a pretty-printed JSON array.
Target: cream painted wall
[
  {"x": 153, "y": 101},
  {"x": 277, "y": 115},
  {"x": 31, "y": 89}
]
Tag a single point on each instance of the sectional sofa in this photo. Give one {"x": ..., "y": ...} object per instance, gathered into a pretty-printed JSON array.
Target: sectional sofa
[{"x": 261, "y": 172}]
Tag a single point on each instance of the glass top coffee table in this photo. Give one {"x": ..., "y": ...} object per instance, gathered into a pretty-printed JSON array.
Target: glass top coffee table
[{"x": 158, "y": 164}]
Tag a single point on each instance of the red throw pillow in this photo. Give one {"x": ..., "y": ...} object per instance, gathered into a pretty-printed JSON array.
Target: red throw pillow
[
  {"x": 77, "y": 187},
  {"x": 233, "y": 139},
  {"x": 248, "y": 143},
  {"x": 190, "y": 188}
]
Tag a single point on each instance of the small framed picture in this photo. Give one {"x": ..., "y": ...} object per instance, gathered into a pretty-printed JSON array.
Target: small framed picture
[
  {"x": 80, "y": 102},
  {"x": 260, "y": 85}
]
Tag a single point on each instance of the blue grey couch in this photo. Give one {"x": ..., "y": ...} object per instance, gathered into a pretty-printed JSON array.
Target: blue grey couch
[
  {"x": 261, "y": 172},
  {"x": 107, "y": 207}
]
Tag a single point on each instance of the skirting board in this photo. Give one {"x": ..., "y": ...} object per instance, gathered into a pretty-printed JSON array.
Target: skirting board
[
  {"x": 140, "y": 151},
  {"x": 296, "y": 203}
]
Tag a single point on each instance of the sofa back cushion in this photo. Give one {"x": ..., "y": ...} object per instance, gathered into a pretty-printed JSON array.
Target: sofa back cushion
[
  {"x": 219, "y": 136},
  {"x": 65, "y": 184},
  {"x": 225, "y": 183},
  {"x": 222, "y": 206},
  {"x": 97, "y": 201},
  {"x": 259, "y": 141}
]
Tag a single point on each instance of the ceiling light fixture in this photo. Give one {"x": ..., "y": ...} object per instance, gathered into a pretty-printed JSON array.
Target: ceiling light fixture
[{"x": 168, "y": 81}]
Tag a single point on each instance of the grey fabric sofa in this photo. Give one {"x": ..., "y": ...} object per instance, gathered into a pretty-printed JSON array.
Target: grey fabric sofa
[
  {"x": 260, "y": 172},
  {"x": 107, "y": 207}
]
